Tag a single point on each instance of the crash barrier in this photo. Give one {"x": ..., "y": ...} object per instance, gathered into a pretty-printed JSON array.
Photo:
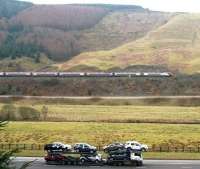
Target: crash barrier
[{"x": 192, "y": 149}]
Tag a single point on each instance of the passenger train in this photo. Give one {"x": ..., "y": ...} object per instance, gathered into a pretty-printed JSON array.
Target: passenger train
[{"x": 85, "y": 74}]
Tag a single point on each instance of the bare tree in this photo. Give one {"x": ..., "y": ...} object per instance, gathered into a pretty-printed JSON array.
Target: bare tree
[{"x": 44, "y": 112}]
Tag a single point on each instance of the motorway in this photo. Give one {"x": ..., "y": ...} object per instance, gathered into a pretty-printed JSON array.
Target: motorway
[{"x": 148, "y": 164}]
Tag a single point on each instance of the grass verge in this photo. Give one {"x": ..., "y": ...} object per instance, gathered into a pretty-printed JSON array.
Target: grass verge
[{"x": 172, "y": 156}]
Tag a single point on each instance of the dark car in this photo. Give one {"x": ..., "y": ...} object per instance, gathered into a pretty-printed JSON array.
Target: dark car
[
  {"x": 55, "y": 158},
  {"x": 57, "y": 147},
  {"x": 113, "y": 147},
  {"x": 84, "y": 148},
  {"x": 59, "y": 158}
]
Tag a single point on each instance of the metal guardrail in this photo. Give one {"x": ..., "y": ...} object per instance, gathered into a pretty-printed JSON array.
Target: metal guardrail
[{"x": 34, "y": 147}]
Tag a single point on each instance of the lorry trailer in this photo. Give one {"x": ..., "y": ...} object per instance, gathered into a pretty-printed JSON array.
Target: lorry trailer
[
  {"x": 74, "y": 158},
  {"x": 121, "y": 156}
]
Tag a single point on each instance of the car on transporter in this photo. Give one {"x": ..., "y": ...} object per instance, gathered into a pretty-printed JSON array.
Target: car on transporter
[
  {"x": 91, "y": 159},
  {"x": 113, "y": 147},
  {"x": 58, "y": 147},
  {"x": 134, "y": 145},
  {"x": 84, "y": 148}
]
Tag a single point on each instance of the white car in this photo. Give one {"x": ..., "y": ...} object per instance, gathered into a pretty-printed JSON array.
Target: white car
[
  {"x": 134, "y": 145},
  {"x": 138, "y": 158},
  {"x": 65, "y": 147}
]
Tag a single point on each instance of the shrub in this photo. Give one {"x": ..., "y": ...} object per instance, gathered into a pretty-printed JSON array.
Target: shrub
[
  {"x": 11, "y": 113},
  {"x": 8, "y": 112},
  {"x": 28, "y": 113}
]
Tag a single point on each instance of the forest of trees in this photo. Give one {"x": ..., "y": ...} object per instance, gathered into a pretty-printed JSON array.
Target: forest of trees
[
  {"x": 9, "y": 8},
  {"x": 63, "y": 17},
  {"x": 12, "y": 49}
]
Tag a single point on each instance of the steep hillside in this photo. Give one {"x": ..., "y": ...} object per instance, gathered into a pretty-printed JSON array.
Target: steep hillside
[
  {"x": 121, "y": 27},
  {"x": 62, "y": 31},
  {"x": 9, "y": 8},
  {"x": 45, "y": 29},
  {"x": 174, "y": 45},
  {"x": 107, "y": 34},
  {"x": 64, "y": 17}
]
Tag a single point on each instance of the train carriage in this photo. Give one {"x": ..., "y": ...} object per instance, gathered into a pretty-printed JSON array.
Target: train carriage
[
  {"x": 17, "y": 74},
  {"x": 99, "y": 74},
  {"x": 2, "y": 74},
  {"x": 44, "y": 74},
  {"x": 86, "y": 74},
  {"x": 121, "y": 74},
  {"x": 157, "y": 74},
  {"x": 166, "y": 74},
  {"x": 71, "y": 74}
]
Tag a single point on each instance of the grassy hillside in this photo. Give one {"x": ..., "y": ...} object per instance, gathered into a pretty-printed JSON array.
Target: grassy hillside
[
  {"x": 174, "y": 45},
  {"x": 62, "y": 31},
  {"x": 121, "y": 27},
  {"x": 25, "y": 64},
  {"x": 97, "y": 37}
]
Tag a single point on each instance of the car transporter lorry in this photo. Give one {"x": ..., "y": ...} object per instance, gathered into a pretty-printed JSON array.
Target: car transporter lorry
[{"x": 118, "y": 157}]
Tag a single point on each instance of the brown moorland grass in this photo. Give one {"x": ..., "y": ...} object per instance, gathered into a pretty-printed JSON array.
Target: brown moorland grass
[
  {"x": 107, "y": 113},
  {"x": 100, "y": 133},
  {"x": 176, "y": 48}
]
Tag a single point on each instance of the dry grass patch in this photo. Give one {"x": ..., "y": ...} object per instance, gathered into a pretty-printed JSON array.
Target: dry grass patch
[{"x": 100, "y": 133}]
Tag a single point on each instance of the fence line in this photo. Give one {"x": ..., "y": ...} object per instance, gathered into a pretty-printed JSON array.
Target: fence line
[{"x": 33, "y": 147}]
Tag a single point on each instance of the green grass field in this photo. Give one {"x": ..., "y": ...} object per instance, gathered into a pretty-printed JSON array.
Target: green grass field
[
  {"x": 117, "y": 114},
  {"x": 103, "y": 124},
  {"x": 99, "y": 133},
  {"x": 122, "y": 113}
]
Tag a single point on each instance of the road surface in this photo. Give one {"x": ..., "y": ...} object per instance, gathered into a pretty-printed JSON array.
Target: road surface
[{"x": 148, "y": 164}]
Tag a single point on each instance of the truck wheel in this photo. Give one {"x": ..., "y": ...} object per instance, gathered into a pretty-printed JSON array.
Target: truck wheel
[
  {"x": 140, "y": 163},
  {"x": 62, "y": 162},
  {"x": 75, "y": 163},
  {"x": 82, "y": 162},
  {"x": 144, "y": 150},
  {"x": 134, "y": 163},
  {"x": 68, "y": 163},
  {"x": 119, "y": 164}
]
